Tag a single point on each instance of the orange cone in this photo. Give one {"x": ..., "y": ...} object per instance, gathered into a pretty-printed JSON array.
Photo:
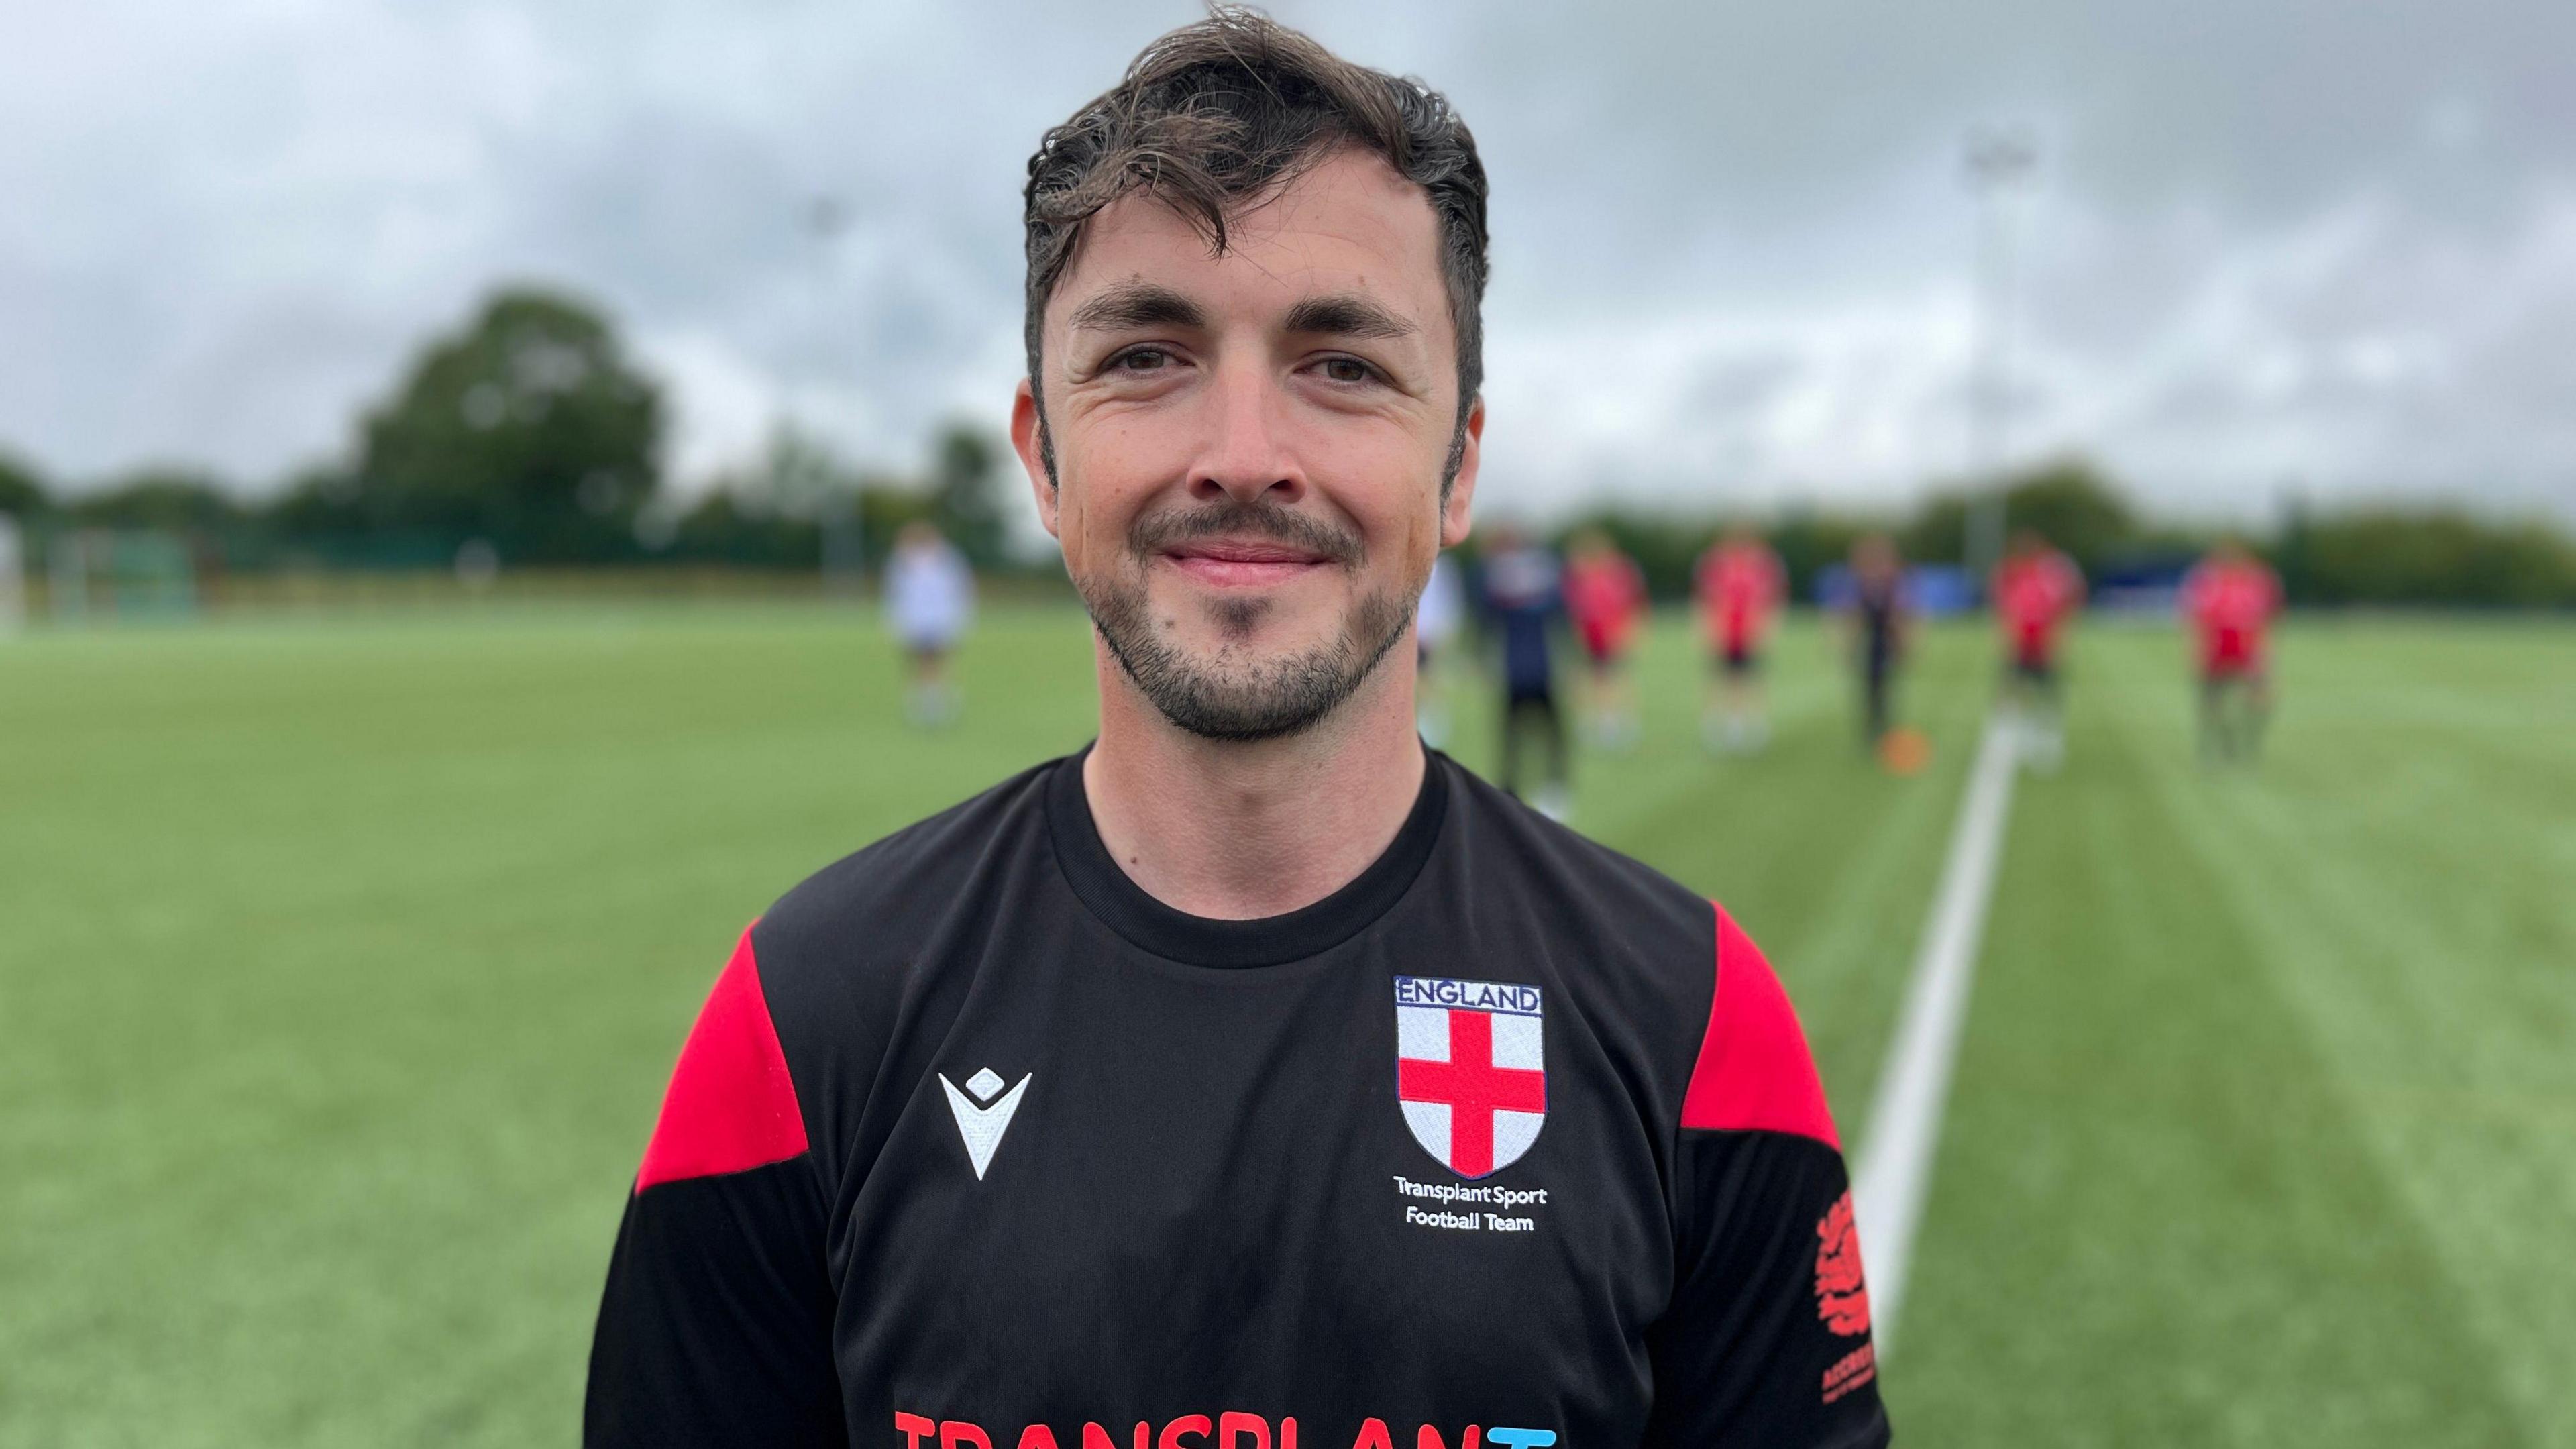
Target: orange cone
[{"x": 1904, "y": 750}]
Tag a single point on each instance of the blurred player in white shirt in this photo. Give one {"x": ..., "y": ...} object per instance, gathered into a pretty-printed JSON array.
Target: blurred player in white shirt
[
  {"x": 1435, "y": 624},
  {"x": 929, "y": 601},
  {"x": 13, "y": 578}
]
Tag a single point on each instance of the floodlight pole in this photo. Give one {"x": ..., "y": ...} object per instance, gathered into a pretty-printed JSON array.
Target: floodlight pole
[
  {"x": 844, "y": 537},
  {"x": 1998, "y": 162}
]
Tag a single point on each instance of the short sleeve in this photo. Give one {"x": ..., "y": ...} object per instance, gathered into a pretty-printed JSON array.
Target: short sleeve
[
  {"x": 1766, "y": 1341},
  {"x": 716, "y": 1324}
]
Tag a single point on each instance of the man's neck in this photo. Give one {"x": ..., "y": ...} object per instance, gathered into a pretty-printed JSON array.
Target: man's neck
[{"x": 1237, "y": 831}]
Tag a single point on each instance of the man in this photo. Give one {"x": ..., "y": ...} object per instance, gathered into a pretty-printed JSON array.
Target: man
[
  {"x": 929, "y": 599},
  {"x": 1605, "y": 596},
  {"x": 2228, "y": 600},
  {"x": 1877, "y": 619},
  {"x": 1521, "y": 592},
  {"x": 1739, "y": 583},
  {"x": 2035, "y": 588},
  {"x": 1252, "y": 1079}
]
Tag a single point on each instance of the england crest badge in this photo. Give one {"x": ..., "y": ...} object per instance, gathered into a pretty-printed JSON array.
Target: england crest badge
[{"x": 1470, "y": 1070}]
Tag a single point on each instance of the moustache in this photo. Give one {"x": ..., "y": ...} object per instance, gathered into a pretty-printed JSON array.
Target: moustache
[{"x": 1159, "y": 530}]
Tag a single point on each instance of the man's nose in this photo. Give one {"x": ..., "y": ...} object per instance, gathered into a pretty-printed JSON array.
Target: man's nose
[{"x": 1247, "y": 457}]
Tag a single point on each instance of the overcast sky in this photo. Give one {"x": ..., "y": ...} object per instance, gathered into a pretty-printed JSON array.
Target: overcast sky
[{"x": 2326, "y": 242}]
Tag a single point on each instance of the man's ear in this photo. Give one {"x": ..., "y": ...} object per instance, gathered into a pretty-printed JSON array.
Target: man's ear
[
  {"x": 1456, "y": 507},
  {"x": 1029, "y": 440}
]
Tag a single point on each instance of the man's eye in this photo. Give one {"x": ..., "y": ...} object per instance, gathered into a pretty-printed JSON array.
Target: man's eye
[
  {"x": 1347, "y": 369},
  {"x": 1140, "y": 359}
]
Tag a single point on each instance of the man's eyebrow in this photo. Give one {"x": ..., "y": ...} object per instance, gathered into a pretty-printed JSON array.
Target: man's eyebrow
[
  {"x": 1346, "y": 315},
  {"x": 1137, "y": 304}
]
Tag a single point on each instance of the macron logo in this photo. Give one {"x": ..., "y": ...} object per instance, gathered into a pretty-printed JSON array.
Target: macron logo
[{"x": 981, "y": 1118}]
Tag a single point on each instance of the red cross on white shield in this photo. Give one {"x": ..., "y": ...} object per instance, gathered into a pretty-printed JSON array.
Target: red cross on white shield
[{"x": 1472, "y": 1084}]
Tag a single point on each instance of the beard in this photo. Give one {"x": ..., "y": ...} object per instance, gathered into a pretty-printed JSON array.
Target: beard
[{"x": 1233, "y": 695}]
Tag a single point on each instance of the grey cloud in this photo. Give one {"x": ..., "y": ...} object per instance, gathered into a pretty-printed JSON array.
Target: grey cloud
[{"x": 1731, "y": 243}]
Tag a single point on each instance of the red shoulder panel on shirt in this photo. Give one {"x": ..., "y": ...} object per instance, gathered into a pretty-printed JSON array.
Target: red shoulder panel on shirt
[
  {"x": 1754, "y": 1074},
  {"x": 731, "y": 1106}
]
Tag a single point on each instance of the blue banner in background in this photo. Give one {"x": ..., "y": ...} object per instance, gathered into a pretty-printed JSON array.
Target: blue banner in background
[{"x": 1932, "y": 589}]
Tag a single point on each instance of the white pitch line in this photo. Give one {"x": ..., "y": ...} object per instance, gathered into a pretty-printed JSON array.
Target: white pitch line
[{"x": 1894, "y": 1172}]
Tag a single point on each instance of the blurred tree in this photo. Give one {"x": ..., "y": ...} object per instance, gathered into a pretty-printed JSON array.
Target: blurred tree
[
  {"x": 883, "y": 511},
  {"x": 765, "y": 515},
  {"x": 2396, "y": 557},
  {"x": 22, "y": 492},
  {"x": 1809, "y": 543},
  {"x": 322, "y": 499},
  {"x": 799, "y": 477},
  {"x": 2406, "y": 557},
  {"x": 1938, "y": 531},
  {"x": 781, "y": 512},
  {"x": 2290, "y": 550},
  {"x": 726, "y": 528},
  {"x": 320, "y": 518},
  {"x": 178, "y": 529},
  {"x": 966, "y": 492},
  {"x": 529, "y": 428},
  {"x": 176, "y": 499},
  {"x": 2072, "y": 503},
  {"x": 1666, "y": 546},
  {"x": 2076, "y": 507}
]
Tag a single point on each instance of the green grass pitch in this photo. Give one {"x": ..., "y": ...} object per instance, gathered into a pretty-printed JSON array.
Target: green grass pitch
[{"x": 341, "y": 963}]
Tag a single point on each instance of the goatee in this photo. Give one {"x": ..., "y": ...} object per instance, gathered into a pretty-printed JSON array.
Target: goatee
[{"x": 1231, "y": 697}]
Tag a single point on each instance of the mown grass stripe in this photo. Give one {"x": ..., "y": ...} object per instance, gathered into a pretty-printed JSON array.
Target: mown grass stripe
[{"x": 1893, "y": 1173}]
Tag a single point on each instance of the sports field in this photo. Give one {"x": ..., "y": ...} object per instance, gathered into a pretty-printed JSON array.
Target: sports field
[{"x": 341, "y": 962}]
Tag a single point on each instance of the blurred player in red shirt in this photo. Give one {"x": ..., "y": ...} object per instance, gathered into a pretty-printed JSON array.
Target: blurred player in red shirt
[
  {"x": 2229, "y": 600},
  {"x": 1739, "y": 583},
  {"x": 2035, "y": 589},
  {"x": 1605, "y": 596}
]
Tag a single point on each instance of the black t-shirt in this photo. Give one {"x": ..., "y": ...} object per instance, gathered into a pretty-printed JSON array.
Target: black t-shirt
[{"x": 1509, "y": 1142}]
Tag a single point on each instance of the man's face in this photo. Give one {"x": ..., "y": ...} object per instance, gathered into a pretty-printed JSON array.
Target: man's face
[{"x": 1249, "y": 447}]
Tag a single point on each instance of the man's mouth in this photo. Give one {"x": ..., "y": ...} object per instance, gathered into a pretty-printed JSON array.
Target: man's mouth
[{"x": 1242, "y": 563}]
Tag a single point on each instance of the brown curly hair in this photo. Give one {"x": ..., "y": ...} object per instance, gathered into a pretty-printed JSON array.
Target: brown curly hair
[{"x": 1225, "y": 111}]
